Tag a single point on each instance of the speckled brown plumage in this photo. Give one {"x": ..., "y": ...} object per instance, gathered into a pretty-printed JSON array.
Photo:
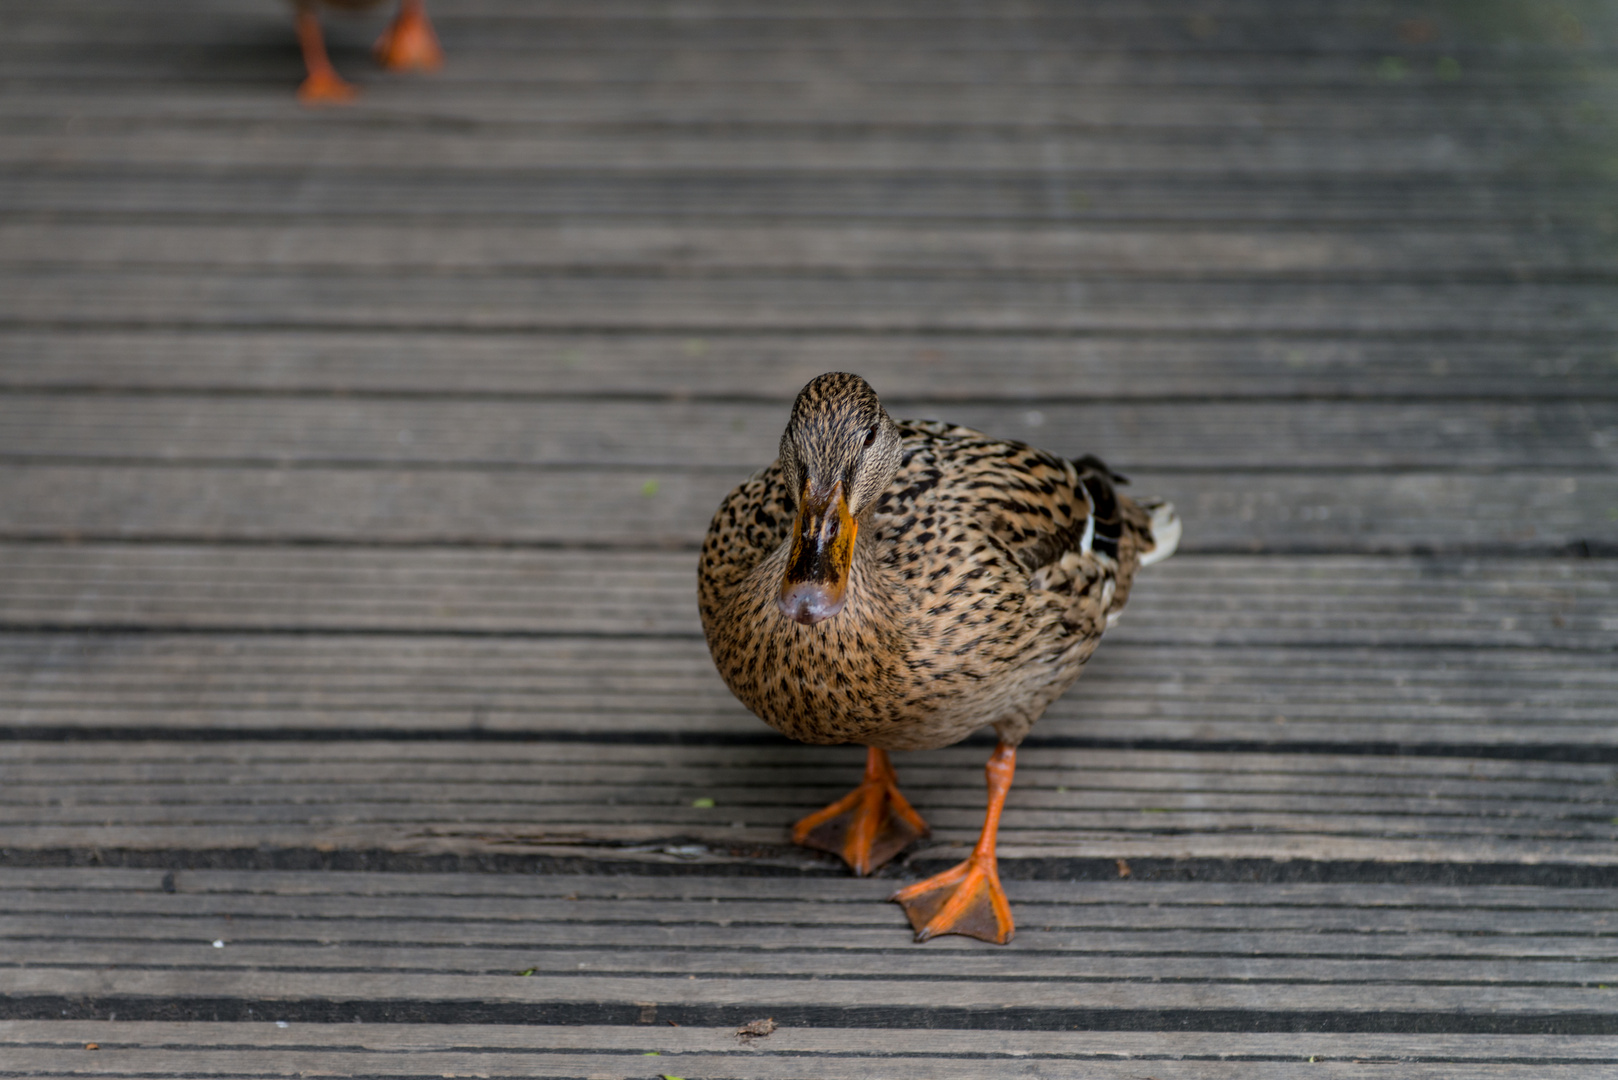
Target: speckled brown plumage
[{"x": 984, "y": 573}]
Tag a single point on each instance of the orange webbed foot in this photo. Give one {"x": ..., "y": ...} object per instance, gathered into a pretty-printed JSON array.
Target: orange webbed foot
[
  {"x": 965, "y": 899},
  {"x": 323, "y": 85},
  {"x": 868, "y": 826},
  {"x": 410, "y": 44},
  {"x": 326, "y": 88}
]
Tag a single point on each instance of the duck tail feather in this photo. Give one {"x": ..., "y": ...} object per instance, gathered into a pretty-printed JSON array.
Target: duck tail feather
[{"x": 1165, "y": 530}]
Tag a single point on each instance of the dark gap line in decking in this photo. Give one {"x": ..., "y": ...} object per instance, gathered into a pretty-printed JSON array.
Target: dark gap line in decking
[
  {"x": 746, "y": 859},
  {"x": 328, "y": 1011},
  {"x": 1577, "y": 753}
]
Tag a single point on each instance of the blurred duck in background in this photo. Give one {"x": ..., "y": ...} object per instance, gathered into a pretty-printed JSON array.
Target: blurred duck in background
[{"x": 408, "y": 44}]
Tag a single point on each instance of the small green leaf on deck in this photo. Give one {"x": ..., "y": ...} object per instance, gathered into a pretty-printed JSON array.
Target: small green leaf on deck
[
  {"x": 530, "y": 971},
  {"x": 702, "y": 804},
  {"x": 1448, "y": 68},
  {"x": 649, "y": 488},
  {"x": 1154, "y": 810},
  {"x": 1391, "y": 69},
  {"x": 1079, "y": 200},
  {"x": 695, "y": 347}
]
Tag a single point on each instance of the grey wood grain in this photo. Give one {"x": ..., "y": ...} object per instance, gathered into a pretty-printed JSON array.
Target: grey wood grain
[
  {"x": 807, "y": 302},
  {"x": 741, "y": 437},
  {"x": 1065, "y": 250},
  {"x": 1192, "y": 599},
  {"x": 774, "y": 366},
  {"x": 1199, "y": 201},
  {"x": 848, "y": 889},
  {"x": 1303, "y": 142},
  {"x": 866, "y": 99},
  {"x": 662, "y": 507},
  {"x": 1170, "y": 1053},
  {"x": 436, "y": 684},
  {"x": 1069, "y": 804}
]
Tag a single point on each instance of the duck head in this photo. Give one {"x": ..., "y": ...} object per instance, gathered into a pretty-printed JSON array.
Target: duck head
[{"x": 839, "y": 452}]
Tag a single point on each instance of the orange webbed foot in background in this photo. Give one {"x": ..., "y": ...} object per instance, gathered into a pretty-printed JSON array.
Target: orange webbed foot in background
[
  {"x": 323, "y": 85},
  {"x": 869, "y": 825},
  {"x": 967, "y": 898},
  {"x": 410, "y": 43},
  {"x": 326, "y": 88}
]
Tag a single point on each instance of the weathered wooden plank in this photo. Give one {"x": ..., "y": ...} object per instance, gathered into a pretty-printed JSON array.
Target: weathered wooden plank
[
  {"x": 1393, "y": 143},
  {"x": 913, "y": 367},
  {"x": 1191, "y": 599},
  {"x": 821, "y": 944},
  {"x": 810, "y": 302},
  {"x": 67, "y": 950},
  {"x": 1062, "y": 250},
  {"x": 1065, "y": 196},
  {"x": 890, "y": 1051},
  {"x": 68, "y": 774},
  {"x": 847, "y": 889},
  {"x": 1070, "y": 804},
  {"x": 658, "y": 507},
  {"x": 45, "y": 56},
  {"x": 359, "y": 684},
  {"x": 359, "y": 918},
  {"x": 875, "y": 998},
  {"x": 742, "y": 436},
  {"x": 760, "y": 1065},
  {"x": 1301, "y": 140},
  {"x": 1120, "y": 122}
]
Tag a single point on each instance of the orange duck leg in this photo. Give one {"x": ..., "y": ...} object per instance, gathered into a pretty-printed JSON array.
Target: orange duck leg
[
  {"x": 869, "y": 825},
  {"x": 410, "y": 44},
  {"x": 967, "y": 899},
  {"x": 323, "y": 86}
]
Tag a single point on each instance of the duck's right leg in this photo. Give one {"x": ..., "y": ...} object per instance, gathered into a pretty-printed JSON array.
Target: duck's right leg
[
  {"x": 869, "y": 825},
  {"x": 323, "y": 85}
]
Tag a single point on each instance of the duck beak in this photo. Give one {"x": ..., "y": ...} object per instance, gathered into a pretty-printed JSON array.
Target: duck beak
[{"x": 822, "y": 552}]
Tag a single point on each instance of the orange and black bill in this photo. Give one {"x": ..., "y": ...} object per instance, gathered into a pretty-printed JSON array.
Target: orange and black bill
[{"x": 822, "y": 552}]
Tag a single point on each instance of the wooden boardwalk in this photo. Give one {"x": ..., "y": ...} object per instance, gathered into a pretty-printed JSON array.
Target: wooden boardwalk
[{"x": 354, "y": 714}]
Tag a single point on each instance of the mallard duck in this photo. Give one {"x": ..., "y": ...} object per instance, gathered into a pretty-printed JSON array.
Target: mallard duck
[
  {"x": 408, "y": 44},
  {"x": 901, "y": 584}
]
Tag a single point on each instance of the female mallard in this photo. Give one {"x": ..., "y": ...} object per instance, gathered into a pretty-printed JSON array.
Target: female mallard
[{"x": 900, "y": 584}]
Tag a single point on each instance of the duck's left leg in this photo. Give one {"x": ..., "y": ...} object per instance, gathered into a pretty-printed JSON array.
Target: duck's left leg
[
  {"x": 410, "y": 44},
  {"x": 869, "y": 825},
  {"x": 967, "y": 899}
]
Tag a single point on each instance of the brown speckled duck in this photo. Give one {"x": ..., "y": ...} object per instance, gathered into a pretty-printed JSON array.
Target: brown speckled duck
[{"x": 900, "y": 584}]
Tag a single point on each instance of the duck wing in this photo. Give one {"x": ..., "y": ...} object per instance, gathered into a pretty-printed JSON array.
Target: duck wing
[{"x": 1064, "y": 523}]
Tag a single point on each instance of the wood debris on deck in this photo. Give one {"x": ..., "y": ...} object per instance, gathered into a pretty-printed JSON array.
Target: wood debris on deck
[{"x": 354, "y": 714}]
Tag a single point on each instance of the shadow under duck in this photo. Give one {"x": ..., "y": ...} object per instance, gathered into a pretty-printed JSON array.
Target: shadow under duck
[{"x": 900, "y": 584}]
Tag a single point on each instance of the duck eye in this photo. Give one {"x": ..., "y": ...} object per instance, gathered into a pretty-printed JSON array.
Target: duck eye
[{"x": 870, "y": 436}]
